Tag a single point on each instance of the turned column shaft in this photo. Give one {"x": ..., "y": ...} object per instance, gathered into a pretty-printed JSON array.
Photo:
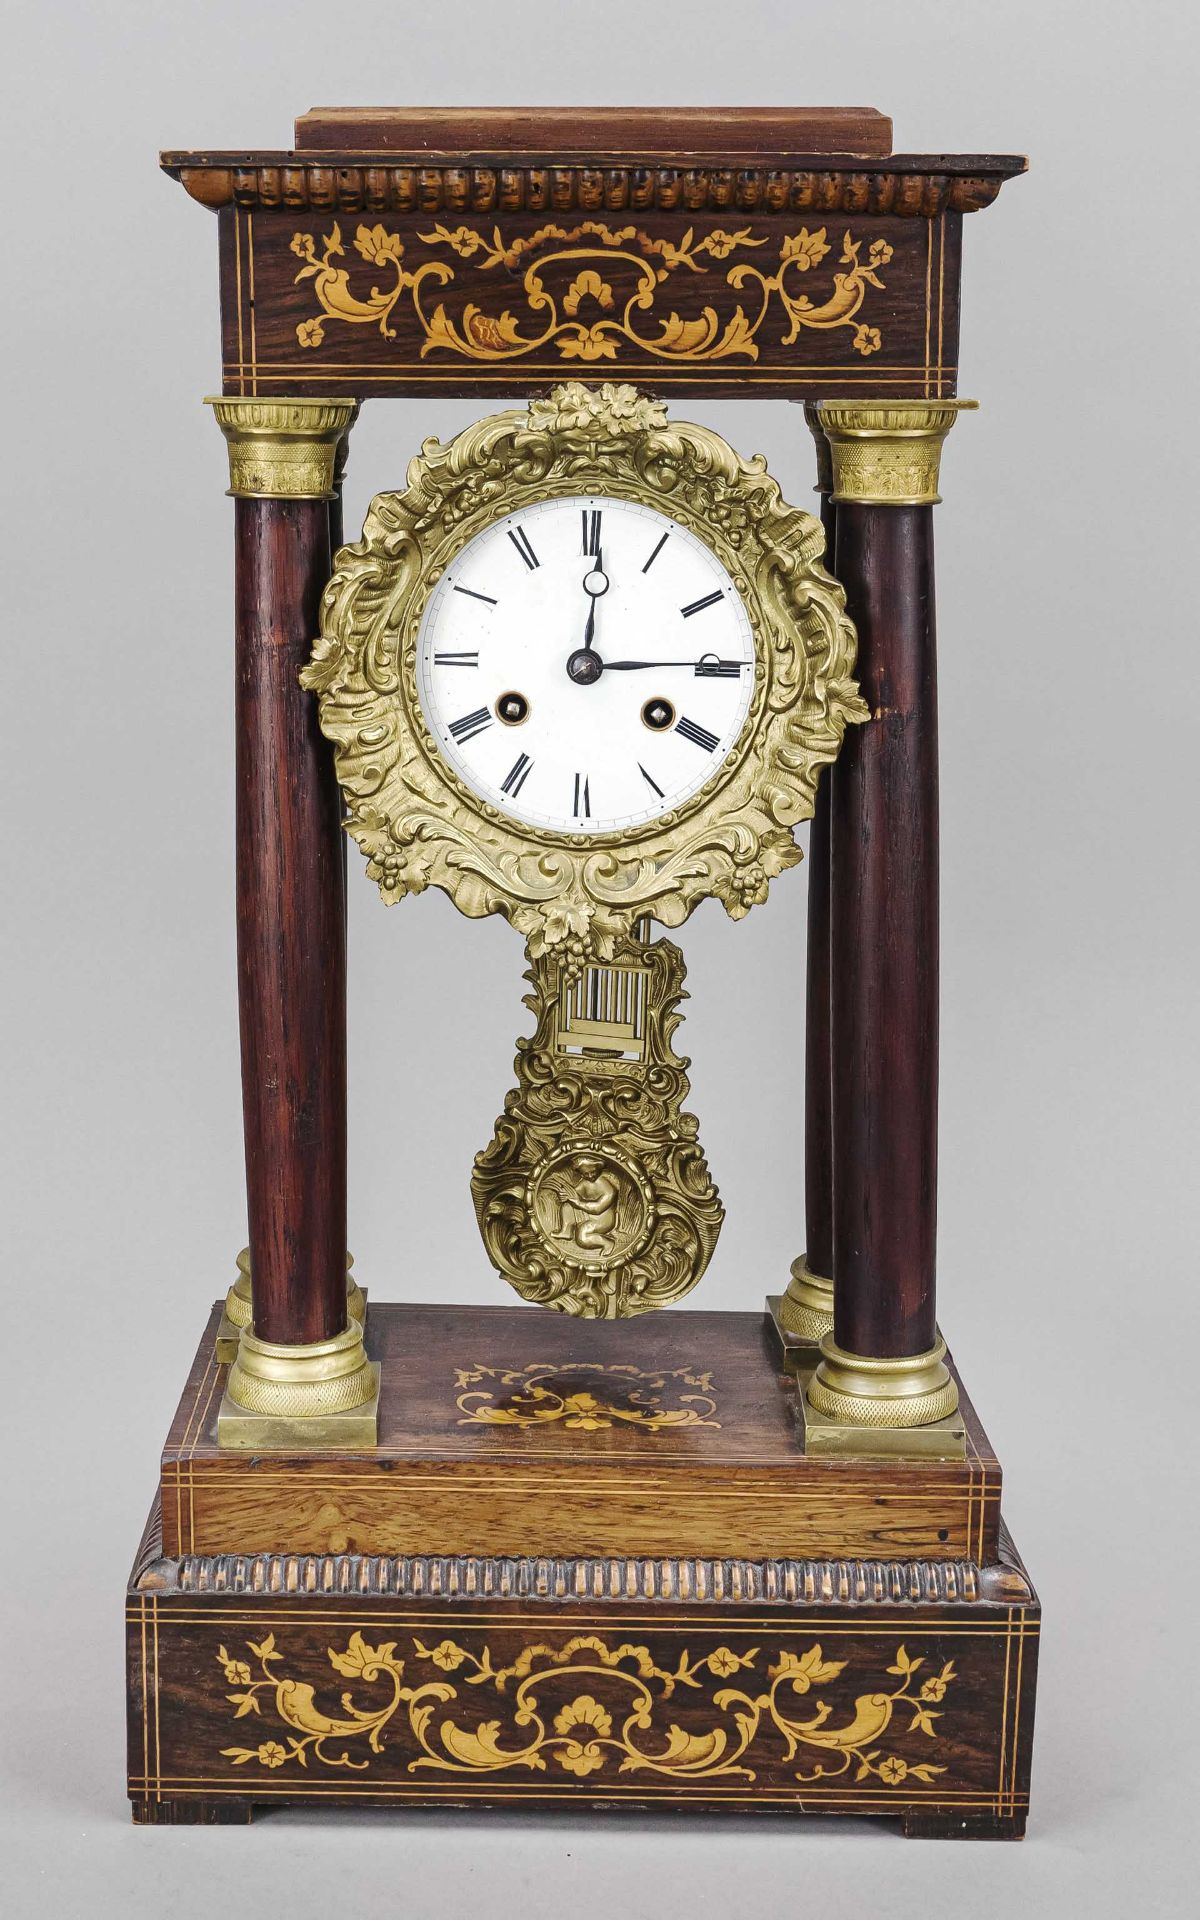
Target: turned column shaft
[
  {"x": 818, "y": 1090},
  {"x": 337, "y": 539},
  {"x": 805, "y": 1311},
  {"x": 291, "y": 931},
  {"x": 884, "y": 942}
]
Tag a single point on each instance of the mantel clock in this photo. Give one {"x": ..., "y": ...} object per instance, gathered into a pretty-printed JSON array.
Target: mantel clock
[{"x": 585, "y": 669}]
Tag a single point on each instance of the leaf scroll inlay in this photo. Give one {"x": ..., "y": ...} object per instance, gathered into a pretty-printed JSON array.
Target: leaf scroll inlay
[
  {"x": 586, "y": 1707},
  {"x": 591, "y": 290}
]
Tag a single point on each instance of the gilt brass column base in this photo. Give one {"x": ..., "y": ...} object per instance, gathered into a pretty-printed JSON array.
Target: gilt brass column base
[
  {"x": 236, "y": 1313},
  {"x": 825, "y": 1436},
  {"x": 854, "y": 1404},
  {"x": 797, "y": 1356},
  {"x": 301, "y": 1397},
  {"x": 806, "y": 1309}
]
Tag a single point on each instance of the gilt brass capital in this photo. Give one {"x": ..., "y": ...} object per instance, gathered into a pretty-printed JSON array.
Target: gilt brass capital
[
  {"x": 341, "y": 452},
  {"x": 283, "y": 449},
  {"x": 812, "y": 420},
  {"x": 887, "y": 453}
]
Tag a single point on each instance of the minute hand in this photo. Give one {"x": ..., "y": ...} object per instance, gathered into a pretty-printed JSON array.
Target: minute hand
[{"x": 707, "y": 665}]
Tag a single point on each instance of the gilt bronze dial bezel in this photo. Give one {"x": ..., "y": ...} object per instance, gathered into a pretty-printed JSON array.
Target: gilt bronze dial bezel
[{"x": 420, "y": 825}]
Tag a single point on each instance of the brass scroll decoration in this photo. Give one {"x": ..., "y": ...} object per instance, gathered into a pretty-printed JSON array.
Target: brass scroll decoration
[
  {"x": 587, "y": 288},
  {"x": 594, "y": 1195},
  {"x": 587, "y": 1707},
  {"x": 420, "y": 826}
]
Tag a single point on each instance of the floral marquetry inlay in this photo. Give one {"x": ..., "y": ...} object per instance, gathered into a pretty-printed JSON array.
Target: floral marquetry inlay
[
  {"x": 588, "y": 288},
  {"x": 587, "y": 1707},
  {"x": 588, "y": 1398}
]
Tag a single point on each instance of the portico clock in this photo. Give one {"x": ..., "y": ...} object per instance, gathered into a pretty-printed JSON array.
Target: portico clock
[
  {"x": 584, "y": 672},
  {"x": 585, "y": 669}
]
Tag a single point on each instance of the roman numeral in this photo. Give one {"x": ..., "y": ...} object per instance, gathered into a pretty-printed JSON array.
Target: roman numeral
[
  {"x": 472, "y": 595},
  {"x": 654, "y": 556},
  {"x": 591, "y": 531},
  {"x": 649, "y": 778},
  {"x": 698, "y": 735},
  {"x": 471, "y": 724},
  {"x": 520, "y": 540},
  {"x": 583, "y": 799},
  {"x": 456, "y": 659},
  {"x": 698, "y": 606},
  {"x": 714, "y": 669},
  {"x": 517, "y": 775}
]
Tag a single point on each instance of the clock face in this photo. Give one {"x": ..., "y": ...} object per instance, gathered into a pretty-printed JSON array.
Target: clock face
[{"x": 586, "y": 664}]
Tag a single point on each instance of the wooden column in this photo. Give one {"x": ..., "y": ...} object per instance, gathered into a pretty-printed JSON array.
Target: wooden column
[
  {"x": 806, "y": 1309},
  {"x": 302, "y": 1357},
  {"x": 884, "y": 928},
  {"x": 337, "y": 534},
  {"x": 239, "y": 1305},
  {"x": 882, "y": 1366},
  {"x": 291, "y": 932}
]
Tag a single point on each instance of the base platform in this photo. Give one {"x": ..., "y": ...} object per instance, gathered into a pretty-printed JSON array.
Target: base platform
[{"x": 566, "y": 1575}]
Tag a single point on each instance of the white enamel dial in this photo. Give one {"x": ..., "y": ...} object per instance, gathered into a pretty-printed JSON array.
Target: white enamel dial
[{"x": 586, "y": 664}]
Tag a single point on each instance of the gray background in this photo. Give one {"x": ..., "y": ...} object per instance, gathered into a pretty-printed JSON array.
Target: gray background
[{"x": 1067, "y": 563}]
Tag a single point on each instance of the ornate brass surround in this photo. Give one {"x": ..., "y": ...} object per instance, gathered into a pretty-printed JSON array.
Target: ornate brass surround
[{"x": 420, "y": 826}]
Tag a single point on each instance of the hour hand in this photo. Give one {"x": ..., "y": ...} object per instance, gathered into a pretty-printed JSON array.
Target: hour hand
[{"x": 595, "y": 582}]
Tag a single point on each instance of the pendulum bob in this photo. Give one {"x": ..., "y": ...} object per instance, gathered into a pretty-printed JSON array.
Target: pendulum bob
[{"x": 594, "y": 1195}]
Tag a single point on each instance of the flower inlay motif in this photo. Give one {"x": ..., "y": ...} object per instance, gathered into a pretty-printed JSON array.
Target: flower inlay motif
[
  {"x": 587, "y": 1397},
  {"x": 612, "y": 279},
  {"x": 588, "y": 1708}
]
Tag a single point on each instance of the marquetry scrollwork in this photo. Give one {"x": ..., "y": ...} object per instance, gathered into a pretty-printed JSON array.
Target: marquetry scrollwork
[
  {"x": 420, "y": 826},
  {"x": 590, "y": 1397},
  {"x": 591, "y": 289},
  {"x": 584, "y": 1707}
]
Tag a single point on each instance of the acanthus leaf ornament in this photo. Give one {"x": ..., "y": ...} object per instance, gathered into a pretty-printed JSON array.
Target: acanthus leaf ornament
[{"x": 420, "y": 826}]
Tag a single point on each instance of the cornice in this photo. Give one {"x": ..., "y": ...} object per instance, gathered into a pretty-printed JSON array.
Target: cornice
[{"x": 915, "y": 186}]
